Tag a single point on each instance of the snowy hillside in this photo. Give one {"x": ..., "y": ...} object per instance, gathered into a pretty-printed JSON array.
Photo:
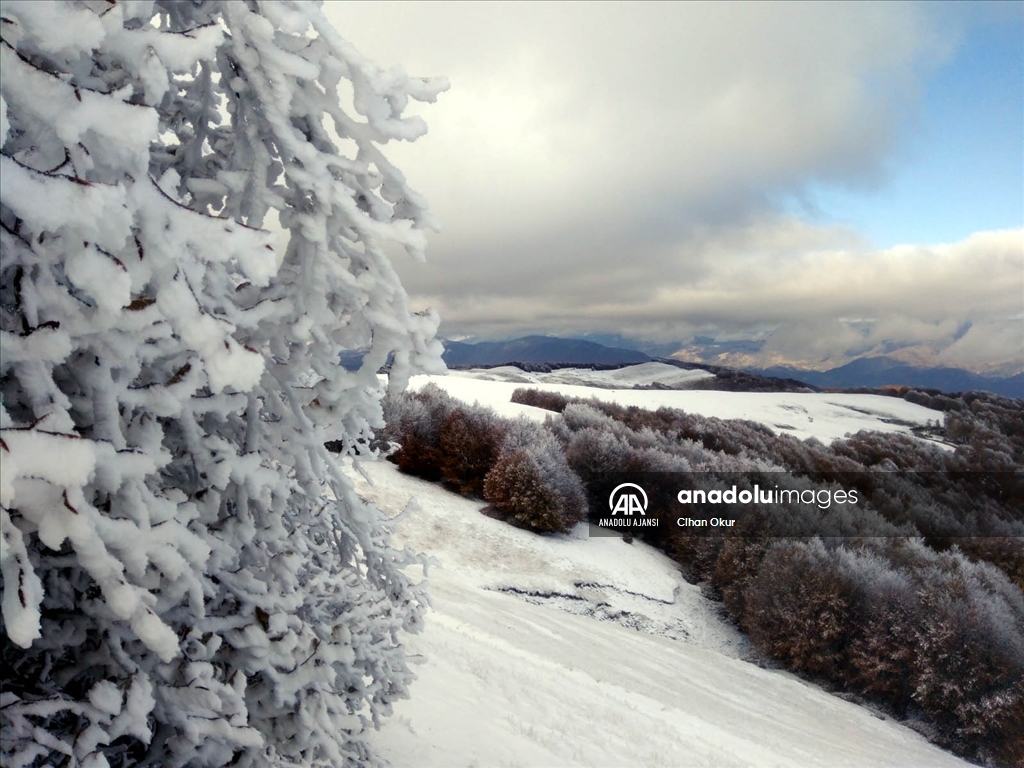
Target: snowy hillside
[
  {"x": 826, "y": 416},
  {"x": 569, "y": 651},
  {"x": 643, "y": 374}
]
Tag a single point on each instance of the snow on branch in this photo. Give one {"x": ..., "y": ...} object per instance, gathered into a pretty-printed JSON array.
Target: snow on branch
[{"x": 188, "y": 577}]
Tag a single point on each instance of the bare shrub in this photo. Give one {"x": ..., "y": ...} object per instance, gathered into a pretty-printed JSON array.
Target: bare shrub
[{"x": 414, "y": 421}]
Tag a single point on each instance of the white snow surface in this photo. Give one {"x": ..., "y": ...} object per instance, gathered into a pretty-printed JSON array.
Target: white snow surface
[
  {"x": 824, "y": 415},
  {"x": 618, "y": 378},
  {"x": 613, "y": 660}
]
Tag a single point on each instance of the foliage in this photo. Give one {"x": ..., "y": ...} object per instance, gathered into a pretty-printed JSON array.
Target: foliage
[
  {"x": 894, "y": 620},
  {"x": 188, "y": 578},
  {"x": 440, "y": 438},
  {"x": 798, "y": 610},
  {"x": 550, "y": 401},
  {"x": 531, "y": 485},
  {"x": 469, "y": 441},
  {"x": 414, "y": 422}
]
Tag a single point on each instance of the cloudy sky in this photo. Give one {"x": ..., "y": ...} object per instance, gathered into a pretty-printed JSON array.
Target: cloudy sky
[{"x": 839, "y": 179}]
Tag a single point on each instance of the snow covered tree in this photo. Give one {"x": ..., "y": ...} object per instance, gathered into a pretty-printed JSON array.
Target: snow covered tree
[
  {"x": 531, "y": 484},
  {"x": 188, "y": 577},
  {"x": 414, "y": 422},
  {"x": 470, "y": 440},
  {"x": 800, "y": 607}
]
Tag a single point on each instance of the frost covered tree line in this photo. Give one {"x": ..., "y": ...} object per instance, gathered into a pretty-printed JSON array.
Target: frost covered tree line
[
  {"x": 188, "y": 578},
  {"x": 911, "y": 599}
]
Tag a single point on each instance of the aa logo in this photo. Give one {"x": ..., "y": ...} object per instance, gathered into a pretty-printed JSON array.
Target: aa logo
[{"x": 626, "y": 501}]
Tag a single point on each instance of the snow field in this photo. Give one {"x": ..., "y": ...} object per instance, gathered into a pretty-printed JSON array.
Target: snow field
[
  {"x": 823, "y": 415},
  {"x": 507, "y": 679},
  {"x": 619, "y": 378}
]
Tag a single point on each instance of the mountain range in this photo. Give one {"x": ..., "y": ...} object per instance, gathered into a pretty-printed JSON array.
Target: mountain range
[
  {"x": 551, "y": 351},
  {"x": 882, "y": 371},
  {"x": 864, "y": 372},
  {"x": 539, "y": 350}
]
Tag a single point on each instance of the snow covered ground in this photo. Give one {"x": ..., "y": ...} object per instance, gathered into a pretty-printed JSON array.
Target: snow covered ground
[
  {"x": 619, "y": 378},
  {"x": 826, "y": 416},
  {"x": 570, "y": 651}
]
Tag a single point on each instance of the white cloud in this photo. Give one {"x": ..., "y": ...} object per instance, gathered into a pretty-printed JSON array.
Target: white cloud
[
  {"x": 561, "y": 113},
  {"x": 612, "y": 167},
  {"x": 985, "y": 344}
]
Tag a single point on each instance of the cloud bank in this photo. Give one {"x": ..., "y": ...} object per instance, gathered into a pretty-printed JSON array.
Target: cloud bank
[{"x": 620, "y": 167}]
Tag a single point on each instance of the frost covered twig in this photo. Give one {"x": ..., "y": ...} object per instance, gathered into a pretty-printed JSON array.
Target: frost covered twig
[{"x": 176, "y": 589}]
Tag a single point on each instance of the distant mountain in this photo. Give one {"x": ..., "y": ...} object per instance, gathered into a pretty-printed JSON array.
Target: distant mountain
[
  {"x": 538, "y": 349},
  {"x": 535, "y": 350},
  {"x": 735, "y": 353},
  {"x": 883, "y": 371},
  {"x": 652, "y": 348},
  {"x": 549, "y": 352},
  {"x": 869, "y": 372}
]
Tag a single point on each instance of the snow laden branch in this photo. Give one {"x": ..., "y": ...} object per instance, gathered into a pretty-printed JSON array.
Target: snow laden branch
[{"x": 188, "y": 578}]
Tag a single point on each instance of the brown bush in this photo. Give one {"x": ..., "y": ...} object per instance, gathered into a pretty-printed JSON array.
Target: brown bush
[
  {"x": 518, "y": 493},
  {"x": 414, "y": 422},
  {"x": 969, "y": 662},
  {"x": 800, "y": 610},
  {"x": 882, "y": 651},
  {"x": 531, "y": 485},
  {"x": 550, "y": 401},
  {"x": 736, "y": 565},
  {"x": 469, "y": 442}
]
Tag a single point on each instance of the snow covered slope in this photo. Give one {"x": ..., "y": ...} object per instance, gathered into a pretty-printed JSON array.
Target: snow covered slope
[
  {"x": 826, "y": 416},
  {"x": 569, "y": 651},
  {"x": 642, "y": 374}
]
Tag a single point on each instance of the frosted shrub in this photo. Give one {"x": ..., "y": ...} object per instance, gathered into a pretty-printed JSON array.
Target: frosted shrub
[
  {"x": 470, "y": 441},
  {"x": 969, "y": 655},
  {"x": 551, "y": 401},
  {"x": 414, "y": 422},
  {"x": 531, "y": 484},
  {"x": 188, "y": 578},
  {"x": 798, "y": 607},
  {"x": 579, "y": 416},
  {"x": 593, "y": 453},
  {"x": 881, "y": 651},
  {"x": 438, "y": 437},
  {"x": 919, "y": 630}
]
